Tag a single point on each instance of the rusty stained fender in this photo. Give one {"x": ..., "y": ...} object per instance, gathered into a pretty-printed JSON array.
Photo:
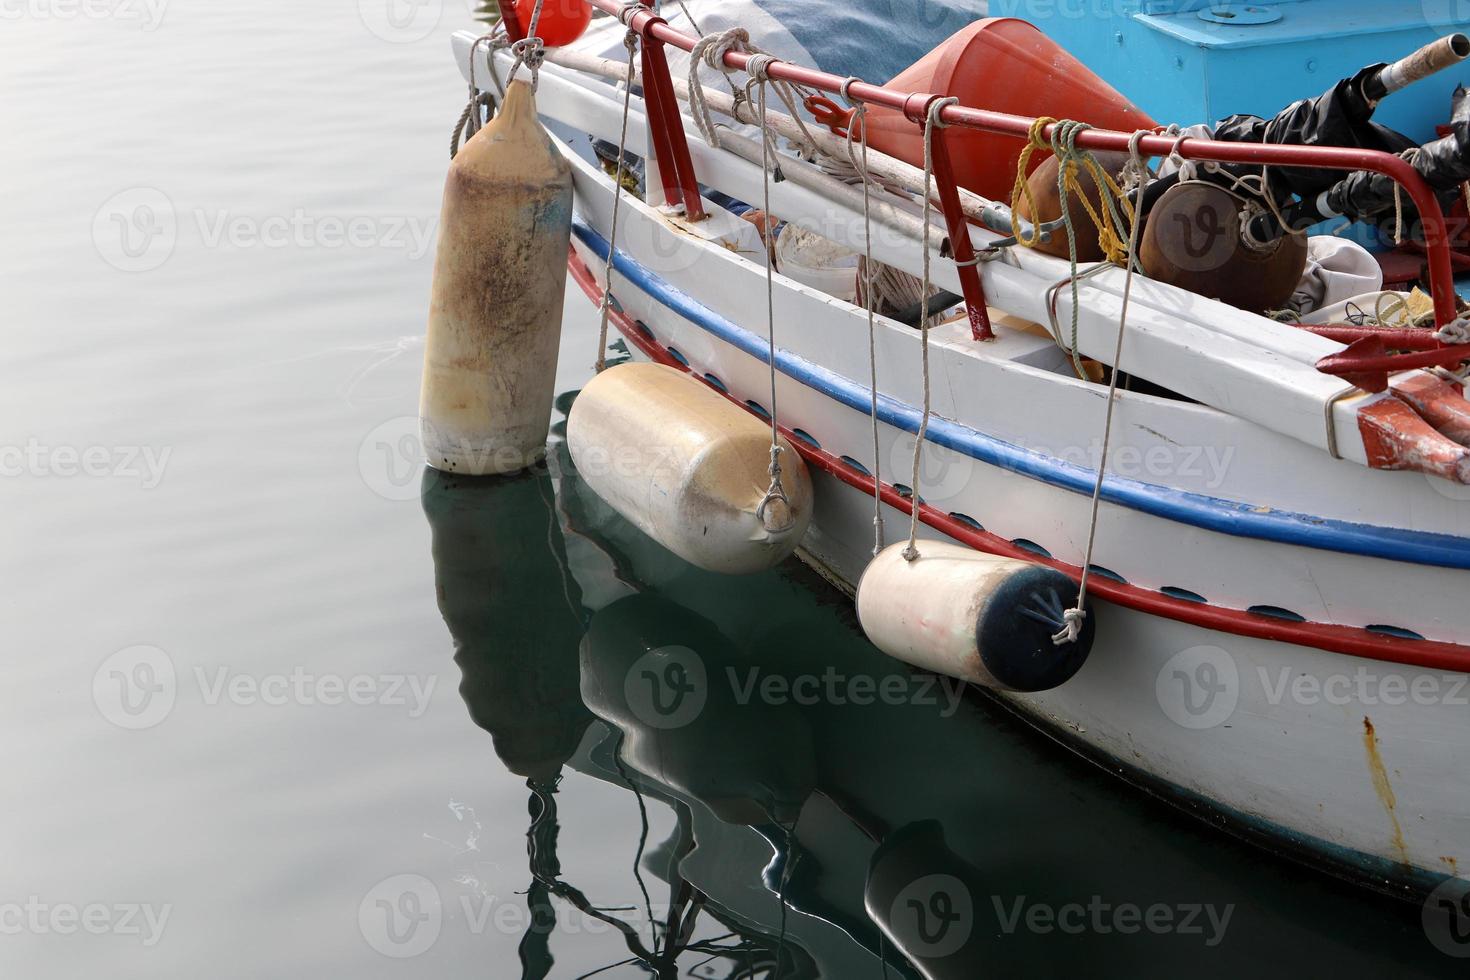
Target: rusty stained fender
[{"x": 496, "y": 303}]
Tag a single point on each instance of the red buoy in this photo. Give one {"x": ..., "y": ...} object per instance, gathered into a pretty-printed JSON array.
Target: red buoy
[
  {"x": 1006, "y": 65},
  {"x": 562, "y": 21}
]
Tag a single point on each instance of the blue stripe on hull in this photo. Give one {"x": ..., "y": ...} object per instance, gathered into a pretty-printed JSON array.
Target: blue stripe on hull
[{"x": 1179, "y": 506}]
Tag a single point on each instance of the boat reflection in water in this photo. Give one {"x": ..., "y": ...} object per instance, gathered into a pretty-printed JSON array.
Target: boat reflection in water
[
  {"x": 516, "y": 615},
  {"x": 834, "y": 814}
]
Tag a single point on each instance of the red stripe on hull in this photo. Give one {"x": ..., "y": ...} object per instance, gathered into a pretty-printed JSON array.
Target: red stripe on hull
[{"x": 1352, "y": 640}]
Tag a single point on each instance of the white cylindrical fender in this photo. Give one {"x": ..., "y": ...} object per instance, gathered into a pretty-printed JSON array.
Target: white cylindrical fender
[
  {"x": 496, "y": 306},
  {"x": 981, "y": 618},
  {"x": 688, "y": 468}
]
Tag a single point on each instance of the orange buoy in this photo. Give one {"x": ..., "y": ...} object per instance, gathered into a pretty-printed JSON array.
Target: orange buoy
[
  {"x": 1048, "y": 200},
  {"x": 1192, "y": 239},
  {"x": 562, "y": 21},
  {"x": 1006, "y": 65}
]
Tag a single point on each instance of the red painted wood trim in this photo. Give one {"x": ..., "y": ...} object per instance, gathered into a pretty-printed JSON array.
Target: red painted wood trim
[
  {"x": 663, "y": 147},
  {"x": 1351, "y": 640},
  {"x": 658, "y": 87},
  {"x": 959, "y": 241}
]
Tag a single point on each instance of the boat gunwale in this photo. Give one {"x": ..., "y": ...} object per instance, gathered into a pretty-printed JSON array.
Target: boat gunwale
[
  {"x": 1187, "y": 507},
  {"x": 916, "y": 108}
]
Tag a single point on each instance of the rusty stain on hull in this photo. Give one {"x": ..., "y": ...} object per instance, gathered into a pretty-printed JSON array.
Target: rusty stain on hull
[{"x": 1382, "y": 787}]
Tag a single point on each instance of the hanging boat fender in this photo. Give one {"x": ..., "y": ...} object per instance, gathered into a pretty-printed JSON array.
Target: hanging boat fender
[
  {"x": 977, "y": 617},
  {"x": 688, "y": 468},
  {"x": 496, "y": 304}
]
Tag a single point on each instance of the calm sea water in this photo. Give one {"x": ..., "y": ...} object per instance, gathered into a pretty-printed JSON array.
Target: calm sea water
[{"x": 279, "y": 704}]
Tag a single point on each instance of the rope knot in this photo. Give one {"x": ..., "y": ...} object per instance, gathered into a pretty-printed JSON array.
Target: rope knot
[
  {"x": 1073, "y": 618},
  {"x": 936, "y": 111},
  {"x": 531, "y": 52},
  {"x": 630, "y": 7},
  {"x": 759, "y": 66},
  {"x": 710, "y": 51},
  {"x": 712, "y": 48},
  {"x": 774, "y": 494},
  {"x": 1455, "y": 333}
]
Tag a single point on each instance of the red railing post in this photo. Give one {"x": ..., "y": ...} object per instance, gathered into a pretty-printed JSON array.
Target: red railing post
[
  {"x": 960, "y": 245},
  {"x": 676, "y": 168},
  {"x": 658, "y": 134},
  {"x": 511, "y": 20}
]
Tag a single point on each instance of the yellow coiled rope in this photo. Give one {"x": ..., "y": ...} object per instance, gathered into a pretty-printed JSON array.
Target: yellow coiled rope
[{"x": 1112, "y": 228}]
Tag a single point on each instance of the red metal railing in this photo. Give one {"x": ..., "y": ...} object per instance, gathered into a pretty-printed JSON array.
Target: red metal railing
[{"x": 671, "y": 147}]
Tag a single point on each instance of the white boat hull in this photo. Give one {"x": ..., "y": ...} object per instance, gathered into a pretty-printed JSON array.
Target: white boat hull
[
  {"x": 1332, "y": 757},
  {"x": 1286, "y": 649}
]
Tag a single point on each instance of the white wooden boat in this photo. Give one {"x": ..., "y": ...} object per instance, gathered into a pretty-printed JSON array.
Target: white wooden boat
[{"x": 1282, "y": 644}]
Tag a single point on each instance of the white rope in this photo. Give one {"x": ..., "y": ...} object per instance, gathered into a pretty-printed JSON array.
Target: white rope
[
  {"x": 1073, "y": 618},
  {"x": 631, "y": 43},
  {"x": 530, "y": 50},
  {"x": 776, "y": 492},
  {"x": 859, "y": 121},
  {"x": 1251, "y": 190},
  {"x": 689, "y": 17},
  {"x": 911, "y": 553},
  {"x": 1398, "y": 199},
  {"x": 469, "y": 122},
  {"x": 711, "y": 50},
  {"x": 1186, "y": 168},
  {"x": 1455, "y": 333},
  {"x": 787, "y": 92}
]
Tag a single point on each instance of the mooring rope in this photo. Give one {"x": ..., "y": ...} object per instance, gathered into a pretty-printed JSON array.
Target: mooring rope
[
  {"x": 530, "y": 50},
  {"x": 690, "y": 17},
  {"x": 858, "y": 124},
  {"x": 931, "y": 122},
  {"x": 469, "y": 120},
  {"x": 630, "y": 41},
  {"x": 758, "y": 68},
  {"x": 710, "y": 51},
  {"x": 1106, "y": 217},
  {"x": 1251, "y": 190},
  {"x": 1137, "y": 174},
  {"x": 1071, "y": 161}
]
